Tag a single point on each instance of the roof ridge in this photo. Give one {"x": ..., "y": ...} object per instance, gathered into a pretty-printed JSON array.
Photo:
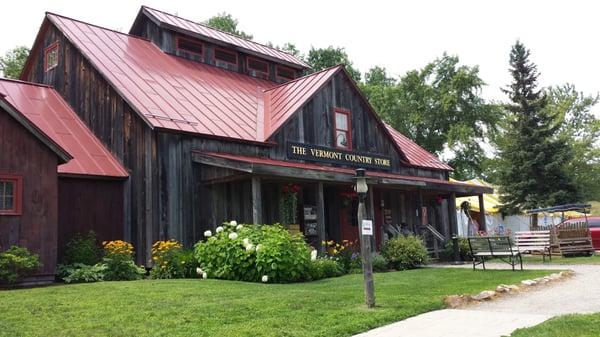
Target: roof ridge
[
  {"x": 25, "y": 82},
  {"x": 302, "y": 77},
  {"x": 97, "y": 26},
  {"x": 222, "y": 31}
]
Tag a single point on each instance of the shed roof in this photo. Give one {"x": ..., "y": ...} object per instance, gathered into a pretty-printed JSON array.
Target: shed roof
[
  {"x": 415, "y": 154},
  {"x": 174, "y": 93},
  {"x": 45, "y": 109},
  {"x": 204, "y": 31}
]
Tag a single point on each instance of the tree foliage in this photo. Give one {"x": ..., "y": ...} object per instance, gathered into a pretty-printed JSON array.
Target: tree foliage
[
  {"x": 440, "y": 108},
  {"x": 322, "y": 58},
  {"x": 12, "y": 63},
  {"x": 533, "y": 155},
  {"x": 225, "y": 22},
  {"x": 581, "y": 130}
]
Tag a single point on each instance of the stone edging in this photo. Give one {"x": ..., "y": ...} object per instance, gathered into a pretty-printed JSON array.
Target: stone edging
[{"x": 456, "y": 301}]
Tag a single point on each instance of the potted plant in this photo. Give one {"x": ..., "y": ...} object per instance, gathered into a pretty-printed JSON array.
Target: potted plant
[{"x": 288, "y": 204}]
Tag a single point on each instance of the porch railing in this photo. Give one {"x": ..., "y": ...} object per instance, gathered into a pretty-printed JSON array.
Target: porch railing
[{"x": 434, "y": 239}]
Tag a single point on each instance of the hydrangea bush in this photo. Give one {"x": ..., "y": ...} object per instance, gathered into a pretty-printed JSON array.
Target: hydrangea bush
[{"x": 255, "y": 253}]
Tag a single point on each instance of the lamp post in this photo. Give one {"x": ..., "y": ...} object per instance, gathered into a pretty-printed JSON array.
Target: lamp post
[{"x": 365, "y": 231}]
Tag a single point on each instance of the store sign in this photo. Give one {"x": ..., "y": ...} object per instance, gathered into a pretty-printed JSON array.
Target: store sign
[{"x": 323, "y": 154}]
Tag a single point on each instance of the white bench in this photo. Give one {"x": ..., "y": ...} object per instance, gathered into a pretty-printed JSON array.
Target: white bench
[{"x": 534, "y": 241}]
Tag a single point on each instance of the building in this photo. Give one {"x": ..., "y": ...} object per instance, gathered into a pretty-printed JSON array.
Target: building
[{"x": 211, "y": 127}]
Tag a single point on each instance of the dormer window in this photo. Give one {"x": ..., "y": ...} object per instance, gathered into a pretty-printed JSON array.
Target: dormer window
[
  {"x": 257, "y": 68},
  {"x": 226, "y": 58},
  {"x": 189, "y": 48},
  {"x": 284, "y": 73},
  {"x": 51, "y": 56},
  {"x": 342, "y": 129}
]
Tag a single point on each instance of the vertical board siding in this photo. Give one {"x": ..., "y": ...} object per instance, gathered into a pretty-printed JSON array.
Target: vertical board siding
[{"x": 21, "y": 153}]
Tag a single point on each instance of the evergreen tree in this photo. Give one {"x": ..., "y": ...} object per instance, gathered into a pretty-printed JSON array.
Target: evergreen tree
[{"x": 532, "y": 154}]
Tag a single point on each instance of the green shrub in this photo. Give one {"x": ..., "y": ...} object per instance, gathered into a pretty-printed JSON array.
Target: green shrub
[
  {"x": 118, "y": 258},
  {"x": 83, "y": 249},
  {"x": 253, "y": 253},
  {"x": 463, "y": 249},
  {"x": 82, "y": 273},
  {"x": 405, "y": 252},
  {"x": 324, "y": 268},
  {"x": 347, "y": 253},
  {"x": 379, "y": 262},
  {"x": 16, "y": 263}
]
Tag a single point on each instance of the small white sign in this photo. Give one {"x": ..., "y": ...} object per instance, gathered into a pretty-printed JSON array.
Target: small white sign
[{"x": 367, "y": 227}]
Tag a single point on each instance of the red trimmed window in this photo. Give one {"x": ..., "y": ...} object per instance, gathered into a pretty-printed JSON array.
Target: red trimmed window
[
  {"x": 284, "y": 73},
  {"x": 226, "y": 56},
  {"x": 342, "y": 129},
  {"x": 189, "y": 46},
  {"x": 51, "y": 56},
  {"x": 11, "y": 187},
  {"x": 258, "y": 67}
]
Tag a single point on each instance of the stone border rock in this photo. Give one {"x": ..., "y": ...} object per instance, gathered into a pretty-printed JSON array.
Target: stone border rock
[{"x": 456, "y": 301}]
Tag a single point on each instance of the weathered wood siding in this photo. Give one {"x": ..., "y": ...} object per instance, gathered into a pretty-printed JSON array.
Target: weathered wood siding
[
  {"x": 116, "y": 124},
  {"x": 313, "y": 124},
  {"x": 23, "y": 154},
  {"x": 86, "y": 204}
]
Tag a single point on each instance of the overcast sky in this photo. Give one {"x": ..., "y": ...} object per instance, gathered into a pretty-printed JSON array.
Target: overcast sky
[{"x": 562, "y": 35}]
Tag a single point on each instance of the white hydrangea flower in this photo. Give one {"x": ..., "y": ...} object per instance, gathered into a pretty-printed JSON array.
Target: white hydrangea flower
[
  {"x": 219, "y": 229},
  {"x": 313, "y": 255},
  {"x": 265, "y": 278},
  {"x": 258, "y": 247},
  {"x": 238, "y": 227},
  {"x": 233, "y": 236},
  {"x": 249, "y": 247},
  {"x": 207, "y": 234},
  {"x": 246, "y": 242},
  {"x": 204, "y": 275},
  {"x": 233, "y": 223},
  {"x": 199, "y": 271}
]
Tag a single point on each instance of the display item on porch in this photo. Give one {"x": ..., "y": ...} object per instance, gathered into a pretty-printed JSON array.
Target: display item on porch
[{"x": 288, "y": 204}]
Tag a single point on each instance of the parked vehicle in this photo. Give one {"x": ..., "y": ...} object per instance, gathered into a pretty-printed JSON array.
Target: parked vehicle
[{"x": 594, "y": 225}]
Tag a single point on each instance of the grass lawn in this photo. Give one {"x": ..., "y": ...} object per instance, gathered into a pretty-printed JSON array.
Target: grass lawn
[
  {"x": 192, "y": 307},
  {"x": 563, "y": 260},
  {"x": 564, "y": 326}
]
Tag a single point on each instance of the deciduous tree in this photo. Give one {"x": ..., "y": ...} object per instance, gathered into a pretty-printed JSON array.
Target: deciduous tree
[
  {"x": 11, "y": 64},
  {"x": 322, "y": 58},
  {"x": 225, "y": 22}
]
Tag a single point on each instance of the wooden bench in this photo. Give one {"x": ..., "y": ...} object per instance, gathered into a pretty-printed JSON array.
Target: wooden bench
[
  {"x": 494, "y": 246},
  {"x": 534, "y": 241},
  {"x": 574, "y": 238}
]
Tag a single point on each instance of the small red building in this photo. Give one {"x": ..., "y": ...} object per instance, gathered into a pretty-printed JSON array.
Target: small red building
[{"x": 56, "y": 178}]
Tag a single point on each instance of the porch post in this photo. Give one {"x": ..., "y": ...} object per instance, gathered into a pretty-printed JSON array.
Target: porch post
[
  {"x": 256, "y": 200},
  {"x": 482, "y": 225},
  {"x": 452, "y": 214},
  {"x": 321, "y": 216}
]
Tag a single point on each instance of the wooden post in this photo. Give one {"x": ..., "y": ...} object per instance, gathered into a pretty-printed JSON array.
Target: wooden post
[
  {"x": 321, "y": 216},
  {"x": 365, "y": 250},
  {"x": 482, "y": 225},
  {"x": 256, "y": 200},
  {"x": 452, "y": 214}
]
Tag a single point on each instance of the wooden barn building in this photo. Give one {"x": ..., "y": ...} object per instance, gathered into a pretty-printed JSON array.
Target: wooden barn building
[{"x": 210, "y": 127}]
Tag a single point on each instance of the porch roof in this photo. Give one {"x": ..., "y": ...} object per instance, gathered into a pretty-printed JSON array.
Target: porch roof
[{"x": 289, "y": 169}]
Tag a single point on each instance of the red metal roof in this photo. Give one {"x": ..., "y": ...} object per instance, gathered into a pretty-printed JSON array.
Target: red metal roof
[
  {"x": 282, "y": 101},
  {"x": 415, "y": 154},
  {"x": 227, "y": 38},
  {"x": 44, "y": 108},
  {"x": 317, "y": 167},
  {"x": 174, "y": 93}
]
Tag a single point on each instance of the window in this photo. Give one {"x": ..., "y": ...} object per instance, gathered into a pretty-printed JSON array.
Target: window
[
  {"x": 10, "y": 194},
  {"x": 258, "y": 67},
  {"x": 226, "y": 56},
  {"x": 51, "y": 56},
  {"x": 285, "y": 73},
  {"x": 189, "y": 46},
  {"x": 343, "y": 129}
]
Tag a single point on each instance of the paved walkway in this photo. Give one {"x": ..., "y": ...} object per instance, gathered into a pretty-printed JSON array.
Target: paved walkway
[{"x": 579, "y": 294}]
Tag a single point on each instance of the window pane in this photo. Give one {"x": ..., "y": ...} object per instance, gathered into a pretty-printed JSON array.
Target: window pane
[
  {"x": 8, "y": 203},
  {"x": 341, "y": 121},
  {"x": 9, "y": 188},
  {"x": 341, "y": 139}
]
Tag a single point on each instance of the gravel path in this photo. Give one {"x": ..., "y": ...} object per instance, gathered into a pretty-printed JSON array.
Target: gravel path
[{"x": 578, "y": 294}]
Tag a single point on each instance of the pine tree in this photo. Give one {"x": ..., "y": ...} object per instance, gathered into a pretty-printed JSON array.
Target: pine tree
[{"x": 532, "y": 156}]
